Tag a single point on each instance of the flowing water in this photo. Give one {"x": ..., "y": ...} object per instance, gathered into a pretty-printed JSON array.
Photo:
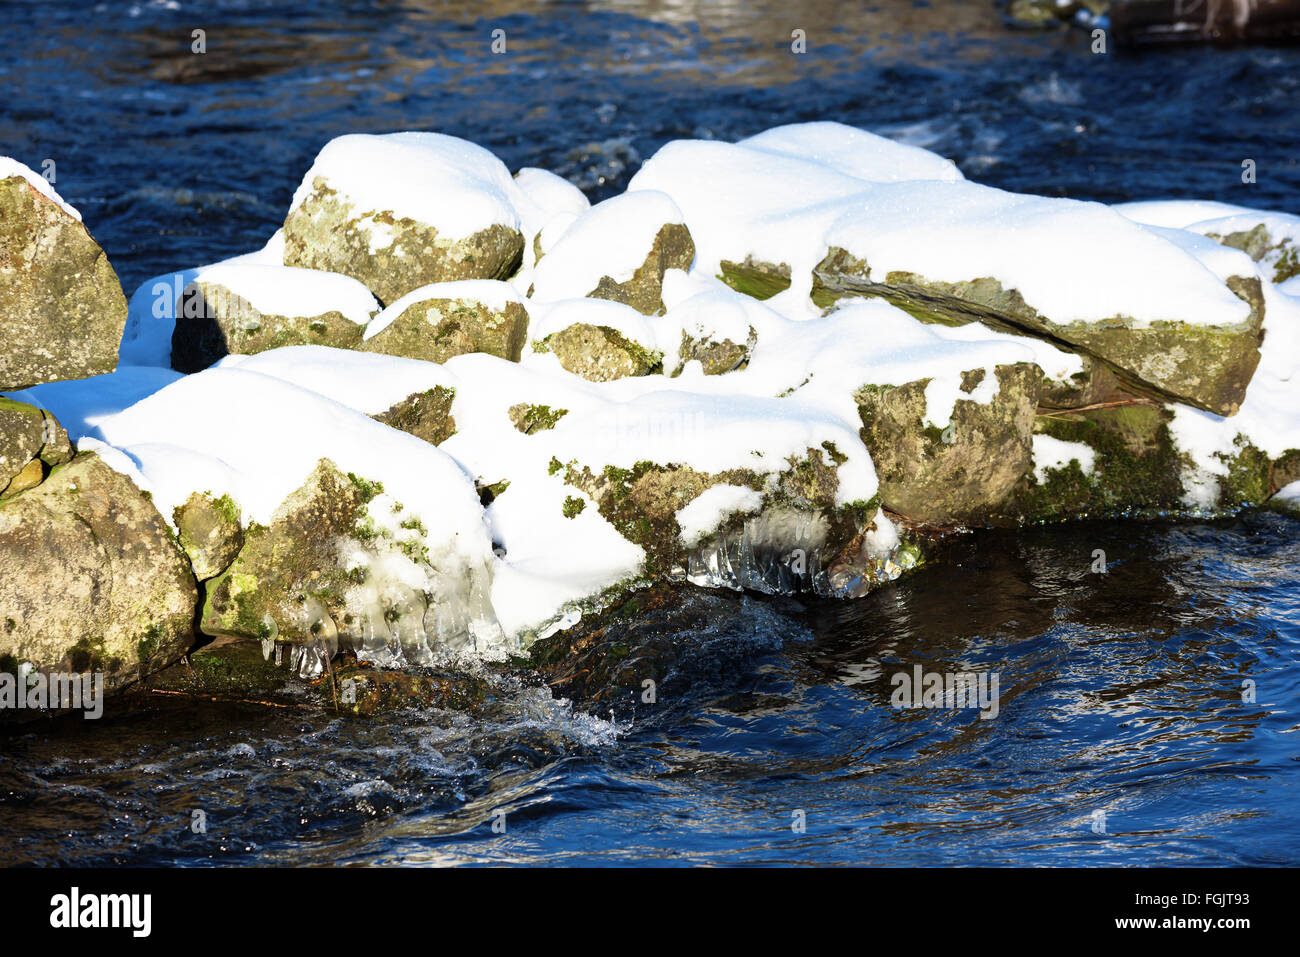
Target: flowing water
[{"x": 1147, "y": 715}]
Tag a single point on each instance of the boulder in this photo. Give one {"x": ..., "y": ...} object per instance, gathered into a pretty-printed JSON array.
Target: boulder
[
  {"x": 62, "y": 309},
  {"x": 246, "y": 309},
  {"x": 404, "y": 210},
  {"x": 599, "y": 353},
  {"x": 1205, "y": 365},
  {"x": 965, "y": 471},
  {"x": 91, "y": 578},
  {"x": 442, "y": 320}
]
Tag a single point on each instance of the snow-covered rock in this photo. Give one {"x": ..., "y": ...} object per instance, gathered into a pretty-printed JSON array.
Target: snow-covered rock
[
  {"x": 618, "y": 250},
  {"x": 403, "y": 210},
  {"x": 234, "y": 309},
  {"x": 442, "y": 320}
]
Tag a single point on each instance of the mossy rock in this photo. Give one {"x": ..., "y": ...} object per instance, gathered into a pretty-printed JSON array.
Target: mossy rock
[
  {"x": 289, "y": 581},
  {"x": 1208, "y": 366},
  {"x": 22, "y": 436},
  {"x": 91, "y": 577},
  {"x": 718, "y": 356},
  {"x": 1137, "y": 468},
  {"x": 435, "y": 330},
  {"x": 1280, "y": 256},
  {"x": 209, "y": 530},
  {"x": 755, "y": 278},
  {"x": 600, "y": 353},
  {"x": 369, "y": 692},
  {"x": 530, "y": 419},
  {"x": 672, "y": 248},
  {"x": 61, "y": 306},
  {"x": 233, "y": 667},
  {"x": 389, "y": 254},
  {"x": 426, "y": 415},
  {"x": 213, "y": 322},
  {"x": 642, "y": 502},
  {"x": 965, "y": 473}
]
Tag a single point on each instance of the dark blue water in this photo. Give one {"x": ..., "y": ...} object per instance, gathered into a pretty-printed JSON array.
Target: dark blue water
[
  {"x": 1122, "y": 735},
  {"x": 1121, "y": 695}
]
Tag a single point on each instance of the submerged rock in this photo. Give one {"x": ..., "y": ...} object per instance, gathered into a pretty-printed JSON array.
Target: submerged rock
[
  {"x": 61, "y": 305},
  {"x": 442, "y": 320},
  {"x": 404, "y": 210},
  {"x": 243, "y": 310},
  {"x": 91, "y": 578}
]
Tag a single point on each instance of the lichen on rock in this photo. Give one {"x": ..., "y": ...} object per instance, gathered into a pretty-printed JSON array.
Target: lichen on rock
[
  {"x": 61, "y": 305},
  {"x": 91, "y": 577}
]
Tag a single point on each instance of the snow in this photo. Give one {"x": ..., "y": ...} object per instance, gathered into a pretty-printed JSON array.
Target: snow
[
  {"x": 1269, "y": 418},
  {"x": 292, "y": 291},
  {"x": 1051, "y": 454},
  {"x": 81, "y": 405},
  {"x": 1070, "y": 260},
  {"x": 491, "y": 293},
  {"x": 612, "y": 239},
  {"x": 454, "y": 186},
  {"x": 544, "y": 197},
  {"x": 856, "y": 152},
  {"x": 709, "y": 509},
  {"x": 11, "y": 167},
  {"x": 366, "y": 382},
  {"x": 151, "y": 310}
]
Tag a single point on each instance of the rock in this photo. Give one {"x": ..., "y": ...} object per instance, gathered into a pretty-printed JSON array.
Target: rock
[
  {"x": 31, "y": 442},
  {"x": 91, "y": 578},
  {"x": 443, "y": 320},
  {"x": 584, "y": 263},
  {"x": 290, "y": 578},
  {"x": 793, "y": 507},
  {"x": 233, "y": 667},
  {"x": 761, "y": 280},
  {"x": 1116, "y": 461},
  {"x": 426, "y": 415},
  {"x": 1278, "y": 254},
  {"x": 717, "y": 356},
  {"x": 61, "y": 306},
  {"x": 530, "y": 419},
  {"x": 965, "y": 472},
  {"x": 330, "y": 571},
  {"x": 246, "y": 309},
  {"x": 210, "y": 532},
  {"x": 1208, "y": 366},
  {"x": 367, "y": 692},
  {"x": 404, "y": 210},
  {"x": 599, "y": 353}
]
